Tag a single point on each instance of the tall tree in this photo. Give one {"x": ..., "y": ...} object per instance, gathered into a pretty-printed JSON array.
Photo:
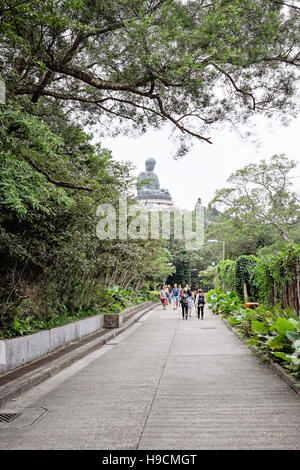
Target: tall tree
[
  {"x": 147, "y": 62},
  {"x": 261, "y": 194}
]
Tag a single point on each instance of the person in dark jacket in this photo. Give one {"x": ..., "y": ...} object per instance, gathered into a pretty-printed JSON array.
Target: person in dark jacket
[
  {"x": 200, "y": 302},
  {"x": 184, "y": 304}
]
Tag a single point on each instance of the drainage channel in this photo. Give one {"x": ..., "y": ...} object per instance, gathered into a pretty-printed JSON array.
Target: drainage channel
[
  {"x": 8, "y": 417},
  {"x": 45, "y": 360},
  {"x": 21, "y": 417}
]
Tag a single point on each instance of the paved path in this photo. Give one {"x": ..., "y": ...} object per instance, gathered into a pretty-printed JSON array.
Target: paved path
[{"x": 164, "y": 384}]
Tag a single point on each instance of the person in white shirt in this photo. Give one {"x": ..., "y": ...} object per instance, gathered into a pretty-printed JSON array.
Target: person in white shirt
[{"x": 164, "y": 296}]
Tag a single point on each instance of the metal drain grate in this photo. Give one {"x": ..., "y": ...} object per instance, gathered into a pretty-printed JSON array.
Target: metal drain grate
[{"x": 8, "y": 417}]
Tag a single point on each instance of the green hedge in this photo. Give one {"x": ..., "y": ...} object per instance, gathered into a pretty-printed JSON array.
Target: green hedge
[
  {"x": 275, "y": 276},
  {"x": 270, "y": 279},
  {"x": 226, "y": 274},
  {"x": 244, "y": 273}
]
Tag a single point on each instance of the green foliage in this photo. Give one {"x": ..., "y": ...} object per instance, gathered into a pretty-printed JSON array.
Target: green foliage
[
  {"x": 159, "y": 60},
  {"x": 292, "y": 336},
  {"x": 272, "y": 332},
  {"x": 258, "y": 211},
  {"x": 261, "y": 195},
  {"x": 259, "y": 327},
  {"x": 207, "y": 278},
  {"x": 269, "y": 279},
  {"x": 244, "y": 267},
  {"x": 282, "y": 325},
  {"x": 226, "y": 271},
  {"x": 275, "y": 275},
  {"x": 114, "y": 299},
  {"x": 278, "y": 342},
  {"x": 22, "y": 188},
  {"x": 223, "y": 303},
  {"x": 51, "y": 181}
]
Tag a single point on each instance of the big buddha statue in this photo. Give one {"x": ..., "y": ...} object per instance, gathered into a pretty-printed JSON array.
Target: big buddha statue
[{"x": 149, "y": 189}]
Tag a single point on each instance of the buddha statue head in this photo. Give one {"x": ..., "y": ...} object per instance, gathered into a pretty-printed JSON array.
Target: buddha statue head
[{"x": 150, "y": 164}]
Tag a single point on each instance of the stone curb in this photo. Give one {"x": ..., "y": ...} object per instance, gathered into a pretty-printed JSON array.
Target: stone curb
[
  {"x": 31, "y": 379},
  {"x": 273, "y": 366}
]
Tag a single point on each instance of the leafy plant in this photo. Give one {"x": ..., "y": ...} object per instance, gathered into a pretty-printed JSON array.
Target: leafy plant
[
  {"x": 221, "y": 302},
  {"x": 273, "y": 332}
]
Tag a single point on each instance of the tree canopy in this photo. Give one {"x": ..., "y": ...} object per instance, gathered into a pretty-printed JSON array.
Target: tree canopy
[
  {"x": 261, "y": 194},
  {"x": 142, "y": 63}
]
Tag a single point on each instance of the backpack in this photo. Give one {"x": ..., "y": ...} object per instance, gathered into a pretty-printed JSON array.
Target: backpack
[
  {"x": 184, "y": 299},
  {"x": 201, "y": 299}
]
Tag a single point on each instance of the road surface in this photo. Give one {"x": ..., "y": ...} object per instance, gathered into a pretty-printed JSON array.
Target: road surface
[{"x": 163, "y": 384}]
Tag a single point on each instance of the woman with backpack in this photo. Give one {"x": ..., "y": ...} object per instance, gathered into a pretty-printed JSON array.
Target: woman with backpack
[
  {"x": 184, "y": 304},
  {"x": 200, "y": 302}
]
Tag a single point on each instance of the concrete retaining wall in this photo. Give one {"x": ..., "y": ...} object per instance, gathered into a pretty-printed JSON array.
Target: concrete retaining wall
[{"x": 18, "y": 351}]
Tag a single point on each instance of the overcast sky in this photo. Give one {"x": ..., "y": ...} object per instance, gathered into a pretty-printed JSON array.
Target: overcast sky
[{"x": 206, "y": 167}]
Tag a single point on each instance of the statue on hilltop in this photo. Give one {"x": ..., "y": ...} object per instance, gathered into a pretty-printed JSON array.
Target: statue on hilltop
[{"x": 148, "y": 184}]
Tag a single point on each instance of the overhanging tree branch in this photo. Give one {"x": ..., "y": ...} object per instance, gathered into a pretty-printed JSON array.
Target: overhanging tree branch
[
  {"x": 235, "y": 86},
  {"x": 279, "y": 2},
  {"x": 62, "y": 184},
  {"x": 134, "y": 88}
]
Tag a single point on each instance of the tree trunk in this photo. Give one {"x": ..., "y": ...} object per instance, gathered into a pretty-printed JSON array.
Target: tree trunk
[{"x": 246, "y": 296}]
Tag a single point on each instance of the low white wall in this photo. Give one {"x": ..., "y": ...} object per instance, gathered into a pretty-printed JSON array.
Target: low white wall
[{"x": 18, "y": 351}]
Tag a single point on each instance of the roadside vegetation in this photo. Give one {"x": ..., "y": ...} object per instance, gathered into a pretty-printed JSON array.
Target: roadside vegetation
[
  {"x": 272, "y": 332},
  {"x": 74, "y": 70},
  {"x": 271, "y": 328},
  {"x": 52, "y": 263},
  {"x": 256, "y": 217},
  {"x": 112, "y": 299}
]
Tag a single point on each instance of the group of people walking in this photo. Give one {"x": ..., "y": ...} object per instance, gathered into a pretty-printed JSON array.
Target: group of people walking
[{"x": 185, "y": 297}]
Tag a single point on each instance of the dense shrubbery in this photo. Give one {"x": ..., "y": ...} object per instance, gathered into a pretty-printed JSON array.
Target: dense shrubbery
[
  {"x": 226, "y": 274},
  {"x": 222, "y": 302},
  {"x": 112, "y": 299},
  {"x": 273, "y": 332},
  {"x": 244, "y": 272},
  {"x": 275, "y": 276},
  {"x": 268, "y": 279}
]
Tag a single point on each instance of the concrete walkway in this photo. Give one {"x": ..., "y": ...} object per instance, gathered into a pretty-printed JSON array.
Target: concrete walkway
[{"x": 163, "y": 384}]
